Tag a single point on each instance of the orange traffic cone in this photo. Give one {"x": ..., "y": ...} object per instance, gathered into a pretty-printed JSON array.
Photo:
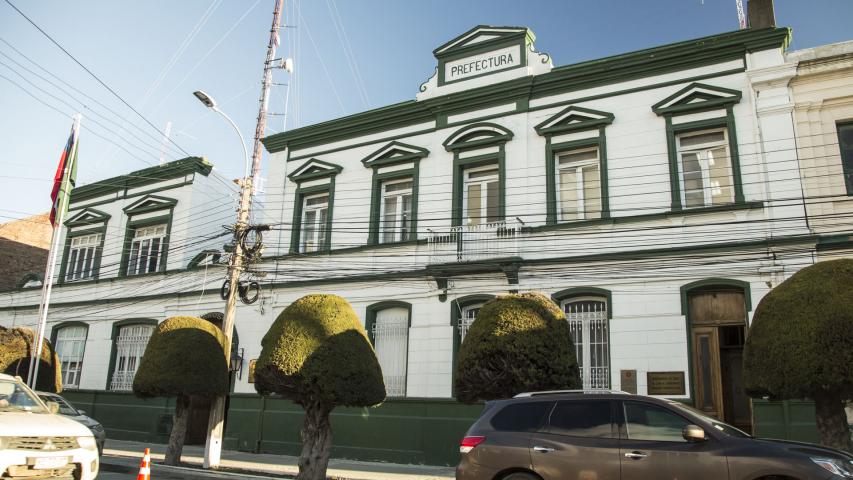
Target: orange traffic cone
[{"x": 145, "y": 467}]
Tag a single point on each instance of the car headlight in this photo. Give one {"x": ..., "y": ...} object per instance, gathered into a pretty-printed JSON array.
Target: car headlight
[
  {"x": 838, "y": 467},
  {"x": 87, "y": 442}
]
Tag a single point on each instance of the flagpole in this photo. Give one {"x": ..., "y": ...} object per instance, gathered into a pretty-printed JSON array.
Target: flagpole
[{"x": 47, "y": 284}]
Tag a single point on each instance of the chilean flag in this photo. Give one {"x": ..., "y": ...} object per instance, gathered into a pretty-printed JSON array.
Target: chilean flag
[{"x": 66, "y": 173}]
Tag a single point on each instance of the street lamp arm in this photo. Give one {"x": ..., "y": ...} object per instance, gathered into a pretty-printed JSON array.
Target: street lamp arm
[{"x": 242, "y": 140}]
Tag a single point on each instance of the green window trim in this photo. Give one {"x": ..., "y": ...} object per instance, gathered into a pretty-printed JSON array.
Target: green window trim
[
  {"x": 298, "y": 201},
  {"x": 373, "y": 309},
  {"x": 129, "y": 230},
  {"x": 470, "y": 138},
  {"x": 376, "y": 202},
  {"x": 846, "y": 152},
  {"x": 685, "y": 291},
  {"x": 66, "y": 249},
  {"x": 29, "y": 277},
  {"x": 683, "y": 102},
  {"x": 551, "y": 152},
  {"x": 569, "y": 293},
  {"x": 214, "y": 254},
  {"x": 54, "y": 331},
  {"x": 314, "y": 169},
  {"x": 116, "y": 328}
]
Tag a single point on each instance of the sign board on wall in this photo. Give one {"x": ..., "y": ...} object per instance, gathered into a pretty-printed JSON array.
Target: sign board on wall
[
  {"x": 482, "y": 64},
  {"x": 665, "y": 383},
  {"x": 628, "y": 381}
]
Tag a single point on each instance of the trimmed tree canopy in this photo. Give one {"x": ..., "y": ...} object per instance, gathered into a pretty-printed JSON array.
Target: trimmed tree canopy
[
  {"x": 801, "y": 338},
  {"x": 17, "y": 345},
  {"x": 184, "y": 357},
  {"x": 517, "y": 343},
  {"x": 317, "y": 350}
]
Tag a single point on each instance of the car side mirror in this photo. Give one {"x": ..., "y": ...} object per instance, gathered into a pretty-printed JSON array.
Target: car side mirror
[
  {"x": 693, "y": 433},
  {"x": 52, "y": 407}
]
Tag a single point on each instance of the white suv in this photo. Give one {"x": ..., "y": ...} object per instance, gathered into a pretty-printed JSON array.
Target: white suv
[{"x": 36, "y": 443}]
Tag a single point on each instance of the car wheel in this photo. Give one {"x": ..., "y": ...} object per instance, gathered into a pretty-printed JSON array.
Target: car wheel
[{"x": 520, "y": 476}]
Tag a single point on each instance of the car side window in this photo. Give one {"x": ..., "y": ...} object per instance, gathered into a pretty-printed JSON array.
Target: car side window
[
  {"x": 582, "y": 419},
  {"x": 644, "y": 421},
  {"x": 521, "y": 417}
]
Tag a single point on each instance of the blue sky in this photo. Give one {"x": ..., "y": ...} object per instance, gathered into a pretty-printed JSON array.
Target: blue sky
[{"x": 153, "y": 55}]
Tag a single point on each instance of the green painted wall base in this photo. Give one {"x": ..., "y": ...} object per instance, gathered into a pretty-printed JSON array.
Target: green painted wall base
[
  {"x": 787, "y": 420},
  {"x": 126, "y": 417},
  {"x": 413, "y": 431}
]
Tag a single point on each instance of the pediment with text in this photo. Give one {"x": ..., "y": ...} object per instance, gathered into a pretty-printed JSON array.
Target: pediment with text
[{"x": 484, "y": 55}]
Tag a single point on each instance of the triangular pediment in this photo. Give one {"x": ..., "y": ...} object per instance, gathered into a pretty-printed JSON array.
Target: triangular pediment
[
  {"x": 150, "y": 203},
  {"x": 482, "y": 35},
  {"x": 393, "y": 153},
  {"x": 697, "y": 97},
  {"x": 572, "y": 119},
  {"x": 87, "y": 216},
  {"x": 314, "y": 168}
]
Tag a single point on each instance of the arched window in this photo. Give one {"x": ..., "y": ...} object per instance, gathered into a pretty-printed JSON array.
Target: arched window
[
  {"x": 388, "y": 328},
  {"x": 587, "y": 312},
  {"x": 130, "y": 340},
  {"x": 70, "y": 344}
]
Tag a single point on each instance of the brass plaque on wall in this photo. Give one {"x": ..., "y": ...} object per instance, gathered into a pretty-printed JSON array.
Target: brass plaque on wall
[
  {"x": 628, "y": 382},
  {"x": 252, "y": 370},
  {"x": 665, "y": 383}
]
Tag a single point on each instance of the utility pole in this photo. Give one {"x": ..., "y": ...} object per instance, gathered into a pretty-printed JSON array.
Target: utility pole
[{"x": 215, "y": 428}]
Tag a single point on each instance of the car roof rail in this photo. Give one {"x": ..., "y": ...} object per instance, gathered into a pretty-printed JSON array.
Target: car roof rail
[{"x": 581, "y": 392}]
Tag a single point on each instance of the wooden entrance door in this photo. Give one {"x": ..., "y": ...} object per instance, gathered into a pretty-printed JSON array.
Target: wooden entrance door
[{"x": 718, "y": 318}]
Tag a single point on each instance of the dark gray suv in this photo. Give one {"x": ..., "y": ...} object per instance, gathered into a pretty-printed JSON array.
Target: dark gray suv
[{"x": 575, "y": 435}]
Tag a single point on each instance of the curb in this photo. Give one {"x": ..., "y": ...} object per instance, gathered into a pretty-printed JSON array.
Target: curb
[{"x": 128, "y": 465}]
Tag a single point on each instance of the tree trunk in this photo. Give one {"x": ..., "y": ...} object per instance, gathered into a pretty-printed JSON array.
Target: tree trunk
[
  {"x": 832, "y": 421},
  {"x": 316, "y": 442},
  {"x": 179, "y": 430}
]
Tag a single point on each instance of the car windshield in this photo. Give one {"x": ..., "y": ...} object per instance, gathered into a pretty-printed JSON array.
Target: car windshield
[
  {"x": 65, "y": 408},
  {"x": 722, "y": 427},
  {"x": 16, "y": 397}
]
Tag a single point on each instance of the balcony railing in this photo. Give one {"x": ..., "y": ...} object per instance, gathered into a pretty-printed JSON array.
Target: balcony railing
[{"x": 469, "y": 243}]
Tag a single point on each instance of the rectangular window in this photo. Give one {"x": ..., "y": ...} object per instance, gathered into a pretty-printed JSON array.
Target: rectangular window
[
  {"x": 146, "y": 249},
  {"x": 588, "y": 324},
  {"x": 70, "y": 345},
  {"x": 579, "y": 184},
  {"x": 81, "y": 257},
  {"x": 845, "y": 145},
  {"x": 581, "y": 419},
  {"x": 391, "y": 341},
  {"x": 315, "y": 211},
  {"x": 651, "y": 422},
  {"x": 705, "y": 168},
  {"x": 396, "y": 214},
  {"x": 130, "y": 346},
  {"x": 481, "y": 199}
]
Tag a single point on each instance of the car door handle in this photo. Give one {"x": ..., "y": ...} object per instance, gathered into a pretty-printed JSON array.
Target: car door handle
[
  {"x": 543, "y": 449},
  {"x": 636, "y": 455}
]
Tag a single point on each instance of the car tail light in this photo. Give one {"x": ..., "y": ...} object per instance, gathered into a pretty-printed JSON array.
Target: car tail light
[{"x": 468, "y": 443}]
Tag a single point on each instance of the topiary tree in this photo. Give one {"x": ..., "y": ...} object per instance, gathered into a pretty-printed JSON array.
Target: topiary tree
[
  {"x": 184, "y": 359},
  {"x": 518, "y": 343},
  {"x": 17, "y": 346},
  {"x": 317, "y": 354},
  {"x": 800, "y": 345}
]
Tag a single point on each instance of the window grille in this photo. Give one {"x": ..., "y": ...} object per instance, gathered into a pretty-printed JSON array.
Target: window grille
[
  {"x": 146, "y": 249},
  {"x": 588, "y": 325},
  {"x": 70, "y": 346},
  {"x": 130, "y": 346},
  {"x": 469, "y": 314},
  {"x": 391, "y": 341},
  {"x": 81, "y": 257}
]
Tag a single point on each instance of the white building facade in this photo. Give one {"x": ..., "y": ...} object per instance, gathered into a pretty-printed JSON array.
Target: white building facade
[{"x": 656, "y": 196}]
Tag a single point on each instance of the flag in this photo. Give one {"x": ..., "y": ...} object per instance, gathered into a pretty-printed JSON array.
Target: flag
[{"x": 66, "y": 174}]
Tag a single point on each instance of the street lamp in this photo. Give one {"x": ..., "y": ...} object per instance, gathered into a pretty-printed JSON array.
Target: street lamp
[
  {"x": 215, "y": 425},
  {"x": 210, "y": 103}
]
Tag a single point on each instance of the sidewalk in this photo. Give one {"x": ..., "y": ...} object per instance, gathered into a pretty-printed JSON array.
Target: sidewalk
[{"x": 124, "y": 454}]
